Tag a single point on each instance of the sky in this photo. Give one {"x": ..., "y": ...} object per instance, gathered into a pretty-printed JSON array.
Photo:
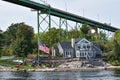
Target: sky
[{"x": 104, "y": 11}]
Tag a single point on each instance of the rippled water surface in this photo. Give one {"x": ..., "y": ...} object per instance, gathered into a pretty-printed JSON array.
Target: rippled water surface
[{"x": 96, "y": 75}]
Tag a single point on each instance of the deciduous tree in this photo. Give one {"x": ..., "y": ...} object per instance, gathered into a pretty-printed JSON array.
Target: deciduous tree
[
  {"x": 85, "y": 29},
  {"x": 1, "y": 41},
  {"x": 117, "y": 44},
  {"x": 22, "y": 45}
]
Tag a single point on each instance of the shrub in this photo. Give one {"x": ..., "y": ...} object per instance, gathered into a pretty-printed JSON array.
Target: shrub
[{"x": 115, "y": 63}]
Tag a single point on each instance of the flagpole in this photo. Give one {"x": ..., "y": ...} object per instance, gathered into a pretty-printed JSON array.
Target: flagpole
[{"x": 38, "y": 34}]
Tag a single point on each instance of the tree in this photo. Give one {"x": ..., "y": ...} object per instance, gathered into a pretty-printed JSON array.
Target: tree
[
  {"x": 102, "y": 36},
  {"x": 10, "y": 33},
  {"x": 85, "y": 29},
  {"x": 117, "y": 44},
  {"x": 75, "y": 33},
  {"x": 22, "y": 45},
  {"x": 1, "y": 42},
  {"x": 1, "y": 37},
  {"x": 35, "y": 43},
  {"x": 9, "y": 37},
  {"x": 52, "y": 36}
]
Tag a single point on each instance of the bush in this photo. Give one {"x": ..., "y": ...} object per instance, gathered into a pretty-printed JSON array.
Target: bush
[
  {"x": 6, "y": 52},
  {"x": 110, "y": 56},
  {"x": 59, "y": 55},
  {"x": 115, "y": 63}
]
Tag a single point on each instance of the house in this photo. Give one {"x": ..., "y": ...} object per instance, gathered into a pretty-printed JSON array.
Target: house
[
  {"x": 78, "y": 48},
  {"x": 86, "y": 49},
  {"x": 66, "y": 49}
]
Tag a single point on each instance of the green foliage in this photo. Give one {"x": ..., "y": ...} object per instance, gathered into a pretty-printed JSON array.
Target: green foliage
[
  {"x": 6, "y": 51},
  {"x": 1, "y": 37},
  {"x": 103, "y": 36},
  {"x": 52, "y": 36},
  {"x": 59, "y": 55},
  {"x": 27, "y": 66},
  {"x": 22, "y": 45},
  {"x": 85, "y": 29},
  {"x": 105, "y": 46},
  {"x": 113, "y": 57},
  {"x": 115, "y": 62},
  {"x": 9, "y": 37},
  {"x": 75, "y": 33},
  {"x": 6, "y": 63},
  {"x": 35, "y": 43},
  {"x": 10, "y": 34},
  {"x": 117, "y": 44},
  {"x": 18, "y": 39}
]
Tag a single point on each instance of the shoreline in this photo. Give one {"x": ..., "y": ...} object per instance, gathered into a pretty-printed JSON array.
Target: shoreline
[{"x": 58, "y": 69}]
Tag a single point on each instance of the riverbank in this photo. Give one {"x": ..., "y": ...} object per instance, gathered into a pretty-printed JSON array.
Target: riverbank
[{"x": 58, "y": 69}]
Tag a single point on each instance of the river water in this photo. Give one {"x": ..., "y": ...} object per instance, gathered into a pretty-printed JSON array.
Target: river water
[{"x": 96, "y": 75}]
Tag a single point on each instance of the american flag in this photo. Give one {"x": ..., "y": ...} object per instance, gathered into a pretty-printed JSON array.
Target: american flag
[{"x": 43, "y": 48}]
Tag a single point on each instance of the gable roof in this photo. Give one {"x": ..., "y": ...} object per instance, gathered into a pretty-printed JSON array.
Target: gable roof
[
  {"x": 80, "y": 40},
  {"x": 66, "y": 45},
  {"x": 77, "y": 40}
]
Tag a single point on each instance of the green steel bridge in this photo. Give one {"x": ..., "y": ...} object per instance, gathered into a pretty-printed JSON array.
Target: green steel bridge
[{"x": 50, "y": 11}]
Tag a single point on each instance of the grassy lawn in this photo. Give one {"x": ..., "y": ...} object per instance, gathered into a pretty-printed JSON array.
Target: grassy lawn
[{"x": 9, "y": 63}]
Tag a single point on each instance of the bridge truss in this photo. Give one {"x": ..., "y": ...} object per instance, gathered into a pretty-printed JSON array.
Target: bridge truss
[{"x": 46, "y": 12}]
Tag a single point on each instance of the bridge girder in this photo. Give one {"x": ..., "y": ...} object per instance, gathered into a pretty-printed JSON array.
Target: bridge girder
[{"x": 62, "y": 14}]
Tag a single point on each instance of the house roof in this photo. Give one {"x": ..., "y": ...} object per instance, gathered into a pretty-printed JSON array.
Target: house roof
[
  {"x": 79, "y": 40},
  {"x": 76, "y": 40},
  {"x": 66, "y": 45}
]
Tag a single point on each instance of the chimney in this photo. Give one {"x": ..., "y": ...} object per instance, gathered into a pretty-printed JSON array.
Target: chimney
[{"x": 73, "y": 42}]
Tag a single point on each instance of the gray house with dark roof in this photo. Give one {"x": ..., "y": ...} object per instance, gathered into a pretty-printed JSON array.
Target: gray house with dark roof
[
  {"x": 86, "y": 49},
  {"x": 81, "y": 48},
  {"x": 66, "y": 49}
]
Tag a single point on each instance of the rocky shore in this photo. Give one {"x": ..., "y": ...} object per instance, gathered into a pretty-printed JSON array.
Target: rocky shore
[
  {"x": 58, "y": 69},
  {"x": 68, "y": 66}
]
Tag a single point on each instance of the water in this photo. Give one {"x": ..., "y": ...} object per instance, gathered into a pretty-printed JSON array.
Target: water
[{"x": 96, "y": 75}]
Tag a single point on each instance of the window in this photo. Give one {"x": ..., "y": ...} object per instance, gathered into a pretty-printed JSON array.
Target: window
[
  {"x": 89, "y": 53},
  {"x": 84, "y": 46},
  {"x": 80, "y": 54},
  {"x": 70, "y": 53},
  {"x": 78, "y": 47},
  {"x": 85, "y": 53},
  {"x": 88, "y": 46},
  {"x": 66, "y": 53},
  {"x": 77, "y": 54}
]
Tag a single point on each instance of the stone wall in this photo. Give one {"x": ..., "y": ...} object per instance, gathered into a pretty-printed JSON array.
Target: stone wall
[{"x": 57, "y": 60}]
